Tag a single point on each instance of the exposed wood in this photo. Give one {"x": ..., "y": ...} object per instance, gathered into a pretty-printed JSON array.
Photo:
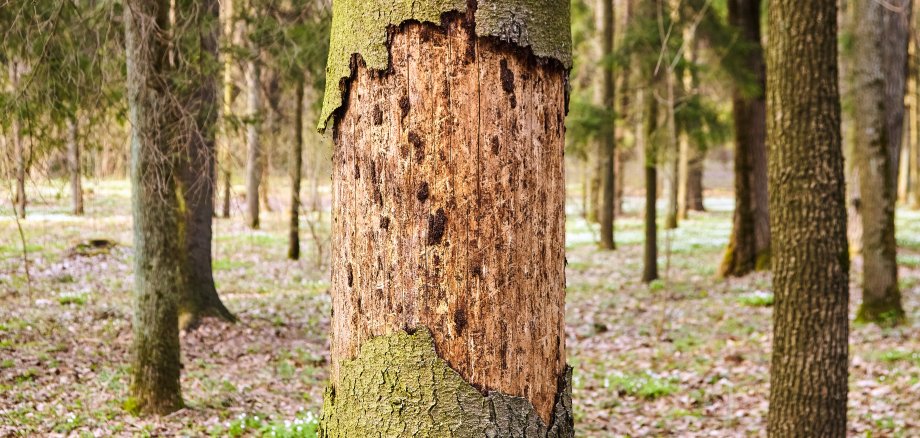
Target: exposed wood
[{"x": 437, "y": 164}]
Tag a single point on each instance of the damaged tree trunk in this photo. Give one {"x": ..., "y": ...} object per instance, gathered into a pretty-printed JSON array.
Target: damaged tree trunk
[{"x": 448, "y": 232}]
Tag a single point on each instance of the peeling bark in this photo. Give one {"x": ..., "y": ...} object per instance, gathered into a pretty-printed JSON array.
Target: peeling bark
[{"x": 438, "y": 162}]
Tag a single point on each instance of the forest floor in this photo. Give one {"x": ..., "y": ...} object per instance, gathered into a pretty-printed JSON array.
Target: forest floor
[{"x": 685, "y": 356}]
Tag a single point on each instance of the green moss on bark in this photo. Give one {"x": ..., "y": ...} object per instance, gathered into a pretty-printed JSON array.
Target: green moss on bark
[
  {"x": 360, "y": 27},
  {"x": 397, "y": 386}
]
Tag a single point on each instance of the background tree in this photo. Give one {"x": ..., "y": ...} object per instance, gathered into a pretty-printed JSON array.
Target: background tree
[
  {"x": 451, "y": 221},
  {"x": 195, "y": 80},
  {"x": 749, "y": 245},
  {"x": 879, "y": 68},
  {"x": 808, "y": 382},
  {"x": 607, "y": 139}
]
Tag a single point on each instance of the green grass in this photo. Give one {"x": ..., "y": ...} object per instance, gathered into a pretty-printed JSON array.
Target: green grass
[
  {"x": 644, "y": 385},
  {"x": 756, "y": 299}
]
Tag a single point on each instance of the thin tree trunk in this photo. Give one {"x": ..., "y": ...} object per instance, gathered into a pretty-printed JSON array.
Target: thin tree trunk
[
  {"x": 683, "y": 176},
  {"x": 695, "y": 180},
  {"x": 671, "y": 221},
  {"x": 155, "y": 386},
  {"x": 201, "y": 104},
  {"x": 19, "y": 153},
  {"x": 74, "y": 165},
  {"x": 296, "y": 164},
  {"x": 749, "y": 245},
  {"x": 253, "y": 144},
  {"x": 607, "y": 137},
  {"x": 650, "y": 255},
  {"x": 808, "y": 381},
  {"x": 229, "y": 39},
  {"x": 443, "y": 277}
]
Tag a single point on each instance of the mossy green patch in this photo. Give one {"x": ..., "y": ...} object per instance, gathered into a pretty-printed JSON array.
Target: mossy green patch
[
  {"x": 397, "y": 386},
  {"x": 360, "y": 27}
]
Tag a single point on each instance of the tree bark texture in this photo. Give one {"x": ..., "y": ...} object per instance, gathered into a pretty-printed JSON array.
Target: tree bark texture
[
  {"x": 449, "y": 222},
  {"x": 749, "y": 244},
  {"x": 74, "y": 166},
  {"x": 253, "y": 143},
  {"x": 296, "y": 164},
  {"x": 808, "y": 382},
  {"x": 199, "y": 23},
  {"x": 608, "y": 132},
  {"x": 877, "y": 169},
  {"x": 157, "y": 269}
]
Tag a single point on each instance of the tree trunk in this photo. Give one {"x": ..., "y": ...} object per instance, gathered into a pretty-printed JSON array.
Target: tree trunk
[
  {"x": 808, "y": 382},
  {"x": 683, "y": 176},
  {"x": 875, "y": 160},
  {"x": 607, "y": 135},
  {"x": 157, "y": 270},
  {"x": 199, "y": 19},
  {"x": 296, "y": 164},
  {"x": 444, "y": 280},
  {"x": 229, "y": 39},
  {"x": 749, "y": 244},
  {"x": 254, "y": 148},
  {"x": 650, "y": 256},
  {"x": 671, "y": 221},
  {"x": 19, "y": 152},
  {"x": 74, "y": 165},
  {"x": 695, "y": 180}
]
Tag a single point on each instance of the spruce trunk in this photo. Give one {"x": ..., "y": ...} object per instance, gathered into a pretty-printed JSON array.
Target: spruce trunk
[
  {"x": 157, "y": 269},
  {"x": 197, "y": 171},
  {"x": 448, "y": 233},
  {"x": 695, "y": 180},
  {"x": 808, "y": 381},
  {"x": 749, "y": 244}
]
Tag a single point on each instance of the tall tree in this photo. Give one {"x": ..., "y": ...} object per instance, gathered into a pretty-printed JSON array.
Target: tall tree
[
  {"x": 444, "y": 278},
  {"x": 878, "y": 115},
  {"x": 253, "y": 123},
  {"x": 808, "y": 382},
  {"x": 749, "y": 244},
  {"x": 296, "y": 165},
  {"x": 196, "y": 81},
  {"x": 608, "y": 133},
  {"x": 155, "y": 386},
  {"x": 20, "y": 163},
  {"x": 650, "y": 254},
  {"x": 74, "y": 165}
]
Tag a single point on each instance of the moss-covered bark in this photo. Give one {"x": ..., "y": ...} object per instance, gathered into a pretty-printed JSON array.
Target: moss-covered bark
[
  {"x": 397, "y": 386},
  {"x": 157, "y": 269}
]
